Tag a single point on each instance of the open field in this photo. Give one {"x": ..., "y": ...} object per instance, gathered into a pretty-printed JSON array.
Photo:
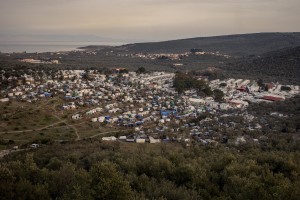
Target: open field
[{"x": 19, "y": 123}]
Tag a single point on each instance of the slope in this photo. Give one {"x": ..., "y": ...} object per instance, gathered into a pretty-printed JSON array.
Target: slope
[
  {"x": 234, "y": 45},
  {"x": 281, "y": 65}
]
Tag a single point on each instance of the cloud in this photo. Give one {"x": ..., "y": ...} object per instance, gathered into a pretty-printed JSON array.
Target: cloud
[{"x": 147, "y": 19}]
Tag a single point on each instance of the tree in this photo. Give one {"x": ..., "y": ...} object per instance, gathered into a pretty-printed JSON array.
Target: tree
[
  {"x": 285, "y": 88},
  {"x": 141, "y": 70},
  {"x": 207, "y": 91},
  {"x": 123, "y": 71},
  {"x": 86, "y": 75},
  {"x": 108, "y": 183},
  {"x": 222, "y": 85},
  {"x": 61, "y": 76},
  {"x": 260, "y": 83},
  {"x": 218, "y": 95},
  {"x": 186, "y": 82},
  {"x": 179, "y": 85}
]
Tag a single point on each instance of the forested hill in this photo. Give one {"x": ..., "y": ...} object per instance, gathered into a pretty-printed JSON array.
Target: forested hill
[
  {"x": 235, "y": 45},
  {"x": 281, "y": 65}
]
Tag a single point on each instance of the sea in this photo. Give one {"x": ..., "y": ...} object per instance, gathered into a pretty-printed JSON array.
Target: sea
[{"x": 17, "y": 47}]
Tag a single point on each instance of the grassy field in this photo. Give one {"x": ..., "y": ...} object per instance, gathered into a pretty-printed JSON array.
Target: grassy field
[
  {"x": 18, "y": 116},
  {"x": 44, "y": 122}
]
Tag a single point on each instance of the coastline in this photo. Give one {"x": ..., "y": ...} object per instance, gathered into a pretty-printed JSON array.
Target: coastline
[{"x": 52, "y": 46}]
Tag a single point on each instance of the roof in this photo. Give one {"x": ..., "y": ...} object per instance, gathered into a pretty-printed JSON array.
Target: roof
[
  {"x": 272, "y": 98},
  {"x": 242, "y": 88},
  {"x": 270, "y": 85}
]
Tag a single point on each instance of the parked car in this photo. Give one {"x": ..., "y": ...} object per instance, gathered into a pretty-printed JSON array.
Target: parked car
[{"x": 34, "y": 145}]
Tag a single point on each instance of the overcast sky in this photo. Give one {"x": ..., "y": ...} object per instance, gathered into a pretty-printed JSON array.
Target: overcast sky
[{"x": 143, "y": 20}]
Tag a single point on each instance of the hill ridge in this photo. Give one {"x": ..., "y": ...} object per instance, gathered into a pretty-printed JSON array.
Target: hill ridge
[{"x": 235, "y": 45}]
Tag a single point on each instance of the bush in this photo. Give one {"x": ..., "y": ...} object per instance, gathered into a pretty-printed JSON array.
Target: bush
[{"x": 285, "y": 88}]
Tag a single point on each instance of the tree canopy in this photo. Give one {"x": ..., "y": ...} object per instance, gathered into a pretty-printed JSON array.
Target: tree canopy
[{"x": 184, "y": 82}]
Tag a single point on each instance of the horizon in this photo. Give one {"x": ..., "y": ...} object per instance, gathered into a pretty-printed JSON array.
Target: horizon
[
  {"x": 60, "y": 45},
  {"x": 114, "y": 41}
]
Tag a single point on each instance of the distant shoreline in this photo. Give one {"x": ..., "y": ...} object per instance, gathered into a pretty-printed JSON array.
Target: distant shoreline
[
  {"x": 96, "y": 47},
  {"x": 52, "y": 47}
]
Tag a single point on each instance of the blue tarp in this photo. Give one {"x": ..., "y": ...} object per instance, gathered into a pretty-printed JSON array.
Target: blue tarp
[
  {"x": 138, "y": 116},
  {"x": 47, "y": 94},
  {"x": 168, "y": 112},
  {"x": 138, "y": 123}
]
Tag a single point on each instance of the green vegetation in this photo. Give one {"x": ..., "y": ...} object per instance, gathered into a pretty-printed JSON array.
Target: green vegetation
[
  {"x": 285, "y": 88},
  {"x": 141, "y": 70},
  {"x": 184, "y": 82},
  {"x": 234, "y": 45},
  {"x": 223, "y": 85},
  {"x": 62, "y": 168},
  {"x": 277, "y": 66},
  {"x": 218, "y": 95},
  {"x": 288, "y": 123},
  {"x": 19, "y": 123},
  {"x": 93, "y": 170}
]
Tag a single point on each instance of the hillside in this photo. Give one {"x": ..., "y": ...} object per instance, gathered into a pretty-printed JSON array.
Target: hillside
[
  {"x": 281, "y": 65},
  {"x": 235, "y": 45}
]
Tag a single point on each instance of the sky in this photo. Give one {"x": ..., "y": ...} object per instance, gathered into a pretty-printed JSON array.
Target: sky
[{"x": 142, "y": 20}]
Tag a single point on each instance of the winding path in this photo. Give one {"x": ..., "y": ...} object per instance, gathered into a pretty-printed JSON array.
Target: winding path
[
  {"x": 69, "y": 125},
  {"x": 30, "y": 130}
]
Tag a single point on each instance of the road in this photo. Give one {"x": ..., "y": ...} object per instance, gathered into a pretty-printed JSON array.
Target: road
[
  {"x": 6, "y": 152},
  {"x": 30, "y": 130},
  {"x": 55, "y": 114},
  {"x": 69, "y": 125},
  {"x": 98, "y": 134}
]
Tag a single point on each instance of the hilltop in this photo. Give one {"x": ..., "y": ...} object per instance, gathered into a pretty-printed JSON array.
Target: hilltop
[
  {"x": 269, "y": 56},
  {"x": 281, "y": 65},
  {"x": 234, "y": 45}
]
